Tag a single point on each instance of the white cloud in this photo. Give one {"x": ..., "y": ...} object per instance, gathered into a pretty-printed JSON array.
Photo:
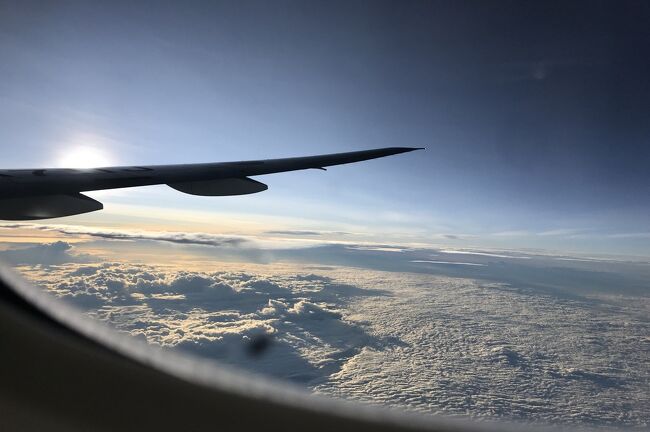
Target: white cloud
[
  {"x": 222, "y": 314},
  {"x": 541, "y": 339}
]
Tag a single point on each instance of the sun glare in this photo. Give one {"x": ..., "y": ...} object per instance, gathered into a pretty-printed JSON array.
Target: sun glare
[{"x": 84, "y": 157}]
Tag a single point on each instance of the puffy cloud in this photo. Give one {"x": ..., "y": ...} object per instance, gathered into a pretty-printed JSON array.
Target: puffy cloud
[
  {"x": 540, "y": 339},
  {"x": 228, "y": 316},
  {"x": 43, "y": 254}
]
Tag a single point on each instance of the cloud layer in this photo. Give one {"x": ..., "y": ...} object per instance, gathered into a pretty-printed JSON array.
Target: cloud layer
[
  {"x": 479, "y": 333},
  {"x": 297, "y": 319}
]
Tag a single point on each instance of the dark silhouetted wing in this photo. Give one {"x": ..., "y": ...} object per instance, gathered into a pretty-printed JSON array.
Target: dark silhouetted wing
[{"x": 48, "y": 193}]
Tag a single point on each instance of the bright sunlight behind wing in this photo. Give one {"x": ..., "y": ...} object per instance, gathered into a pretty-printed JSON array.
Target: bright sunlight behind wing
[
  {"x": 84, "y": 150},
  {"x": 84, "y": 157}
]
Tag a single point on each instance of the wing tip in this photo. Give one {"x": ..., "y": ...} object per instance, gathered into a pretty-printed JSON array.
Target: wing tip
[{"x": 398, "y": 150}]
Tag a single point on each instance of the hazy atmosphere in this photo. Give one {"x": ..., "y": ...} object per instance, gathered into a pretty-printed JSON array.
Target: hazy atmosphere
[
  {"x": 534, "y": 117},
  {"x": 503, "y": 272}
]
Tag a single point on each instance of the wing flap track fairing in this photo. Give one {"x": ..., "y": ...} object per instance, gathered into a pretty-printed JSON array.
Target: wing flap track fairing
[{"x": 220, "y": 187}]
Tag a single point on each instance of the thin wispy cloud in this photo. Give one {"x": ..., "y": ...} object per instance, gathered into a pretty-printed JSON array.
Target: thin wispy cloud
[
  {"x": 561, "y": 232},
  {"x": 487, "y": 254},
  {"x": 511, "y": 233},
  {"x": 639, "y": 235},
  {"x": 306, "y": 233},
  {"x": 294, "y": 233},
  {"x": 448, "y": 263},
  {"x": 185, "y": 238},
  {"x": 267, "y": 240}
]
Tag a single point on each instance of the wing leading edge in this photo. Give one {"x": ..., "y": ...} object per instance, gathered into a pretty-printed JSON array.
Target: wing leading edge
[{"x": 50, "y": 193}]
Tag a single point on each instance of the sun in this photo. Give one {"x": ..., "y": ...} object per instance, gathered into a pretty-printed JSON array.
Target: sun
[{"x": 84, "y": 157}]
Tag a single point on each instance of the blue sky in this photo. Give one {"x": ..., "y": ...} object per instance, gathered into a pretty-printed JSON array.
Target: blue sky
[{"x": 534, "y": 117}]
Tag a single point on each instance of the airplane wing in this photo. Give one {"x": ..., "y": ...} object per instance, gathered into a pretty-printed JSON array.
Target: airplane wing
[{"x": 50, "y": 193}]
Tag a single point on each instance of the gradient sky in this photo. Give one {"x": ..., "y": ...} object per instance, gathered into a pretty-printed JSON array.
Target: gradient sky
[{"x": 535, "y": 115}]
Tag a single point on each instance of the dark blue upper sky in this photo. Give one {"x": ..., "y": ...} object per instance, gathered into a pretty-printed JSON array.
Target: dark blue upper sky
[{"x": 535, "y": 115}]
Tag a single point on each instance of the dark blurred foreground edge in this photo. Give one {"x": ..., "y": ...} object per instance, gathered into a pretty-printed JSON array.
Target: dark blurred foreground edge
[{"x": 57, "y": 377}]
